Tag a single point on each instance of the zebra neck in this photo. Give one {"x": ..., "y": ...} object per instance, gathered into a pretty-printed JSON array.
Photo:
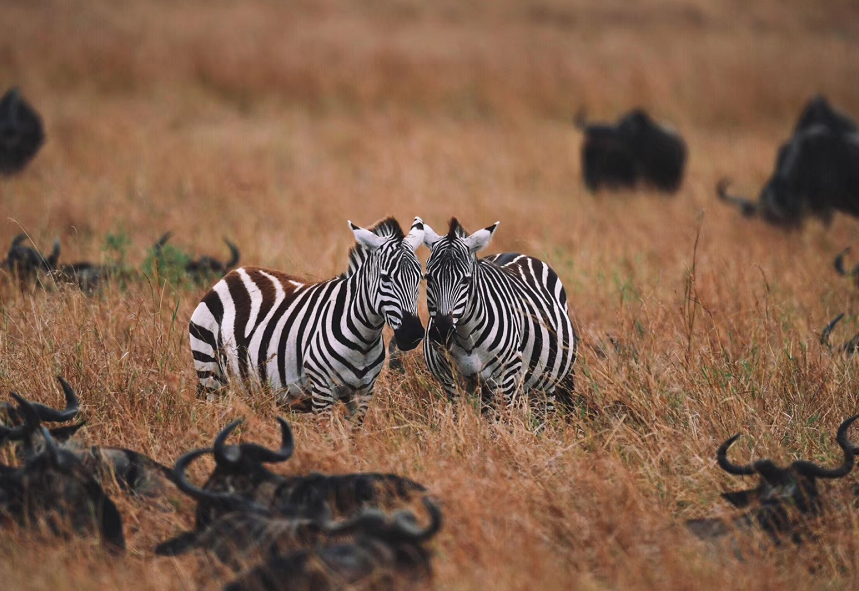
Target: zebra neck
[{"x": 368, "y": 320}]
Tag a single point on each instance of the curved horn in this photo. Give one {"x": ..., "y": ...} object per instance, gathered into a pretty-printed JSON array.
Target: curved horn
[
  {"x": 815, "y": 471},
  {"x": 234, "y": 255},
  {"x": 405, "y": 523},
  {"x": 726, "y": 465},
  {"x": 46, "y": 413},
  {"x": 747, "y": 208},
  {"x": 262, "y": 454},
  {"x": 31, "y": 425},
  {"x": 227, "y": 456},
  {"x": 839, "y": 263},
  {"x": 824, "y": 335},
  {"x": 161, "y": 242}
]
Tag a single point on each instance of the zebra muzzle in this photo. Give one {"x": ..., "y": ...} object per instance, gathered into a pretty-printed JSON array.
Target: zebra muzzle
[
  {"x": 442, "y": 329},
  {"x": 410, "y": 333}
]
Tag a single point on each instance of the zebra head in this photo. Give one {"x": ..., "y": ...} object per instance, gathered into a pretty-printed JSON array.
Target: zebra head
[
  {"x": 450, "y": 270},
  {"x": 394, "y": 273}
]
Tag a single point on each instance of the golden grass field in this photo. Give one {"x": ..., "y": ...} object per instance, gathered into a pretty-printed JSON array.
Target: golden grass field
[{"x": 272, "y": 123}]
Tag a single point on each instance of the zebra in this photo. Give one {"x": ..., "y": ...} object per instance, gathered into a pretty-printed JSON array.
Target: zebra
[
  {"x": 313, "y": 342},
  {"x": 501, "y": 322}
]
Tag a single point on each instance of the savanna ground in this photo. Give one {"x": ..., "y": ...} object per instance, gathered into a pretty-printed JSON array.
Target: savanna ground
[{"x": 273, "y": 123}]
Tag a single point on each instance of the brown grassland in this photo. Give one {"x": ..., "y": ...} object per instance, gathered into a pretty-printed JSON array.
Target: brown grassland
[{"x": 272, "y": 123}]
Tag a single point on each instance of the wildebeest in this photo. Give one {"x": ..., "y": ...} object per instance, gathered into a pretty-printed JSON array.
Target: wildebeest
[
  {"x": 239, "y": 471},
  {"x": 848, "y": 347},
  {"x": 54, "y": 487},
  {"x": 635, "y": 150},
  {"x": 25, "y": 262},
  {"x": 385, "y": 553},
  {"x": 842, "y": 270},
  {"x": 785, "y": 498},
  {"x": 816, "y": 172},
  {"x": 205, "y": 267},
  {"x": 21, "y": 132},
  {"x": 133, "y": 471}
]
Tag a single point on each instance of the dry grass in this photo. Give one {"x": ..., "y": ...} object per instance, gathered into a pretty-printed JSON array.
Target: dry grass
[{"x": 272, "y": 123}]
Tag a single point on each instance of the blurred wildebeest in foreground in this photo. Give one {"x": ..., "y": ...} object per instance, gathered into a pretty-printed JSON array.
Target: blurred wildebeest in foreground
[
  {"x": 55, "y": 488},
  {"x": 848, "y": 347},
  {"x": 816, "y": 172},
  {"x": 785, "y": 498},
  {"x": 635, "y": 150},
  {"x": 134, "y": 472},
  {"x": 21, "y": 132},
  {"x": 25, "y": 262},
  {"x": 239, "y": 471},
  {"x": 385, "y": 553},
  {"x": 205, "y": 267}
]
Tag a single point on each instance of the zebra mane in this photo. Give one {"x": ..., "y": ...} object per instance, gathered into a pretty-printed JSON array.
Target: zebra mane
[
  {"x": 455, "y": 230},
  {"x": 387, "y": 228}
]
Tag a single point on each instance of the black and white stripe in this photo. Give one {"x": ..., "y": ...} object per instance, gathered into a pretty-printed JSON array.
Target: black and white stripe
[
  {"x": 501, "y": 321},
  {"x": 313, "y": 340}
]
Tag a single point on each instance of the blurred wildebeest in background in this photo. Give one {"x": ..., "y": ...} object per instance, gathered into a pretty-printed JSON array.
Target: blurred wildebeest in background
[
  {"x": 21, "y": 132},
  {"x": 816, "y": 172},
  {"x": 205, "y": 267},
  {"x": 25, "y": 262},
  {"x": 784, "y": 499},
  {"x": 635, "y": 150}
]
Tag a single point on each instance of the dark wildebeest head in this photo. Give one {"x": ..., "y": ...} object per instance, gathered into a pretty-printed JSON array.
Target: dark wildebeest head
[
  {"x": 816, "y": 172},
  {"x": 818, "y": 111},
  {"x": 54, "y": 487},
  {"x": 785, "y": 496},
  {"x": 12, "y": 423},
  {"x": 848, "y": 347},
  {"x": 134, "y": 472},
  {"x": 21, "y": 132},
  {"x": 390, "y": 552},
  {"x": 205, "y": 268},
  {"x": 635, "y": 150},
  {"x": 25, "y": 262}
]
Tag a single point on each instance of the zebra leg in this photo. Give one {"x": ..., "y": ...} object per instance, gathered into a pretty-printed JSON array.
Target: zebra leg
[
  {"x": 439, "y": 365},
  {"x": 563, "y": 393}
]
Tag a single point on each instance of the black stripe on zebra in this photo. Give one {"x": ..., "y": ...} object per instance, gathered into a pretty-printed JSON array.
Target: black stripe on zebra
[
  {"x": 501, "y": 321},
  {"x": 321, "y": 341}
]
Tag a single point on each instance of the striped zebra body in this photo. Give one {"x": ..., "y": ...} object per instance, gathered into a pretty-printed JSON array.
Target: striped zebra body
[
  {"x": 321, "y": 341},
  {"x": 500, "y": 322}
]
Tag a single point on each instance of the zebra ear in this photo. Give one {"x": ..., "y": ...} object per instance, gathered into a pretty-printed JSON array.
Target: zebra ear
[
  {"x": 366, "y": 238},
  {"x": 480, "y": 239},
  {"x": 416, "y": 234},
  {"x": 430, "y": 237}
]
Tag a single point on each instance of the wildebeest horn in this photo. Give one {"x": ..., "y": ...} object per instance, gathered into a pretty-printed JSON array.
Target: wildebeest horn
[
  {"x": 405, "y": 522},
  {"x": 51, "y": 415},
  {"x": 747, "y": 208},
  {"x": 234, "y": 255},
  {"x": 403, "y": 527},
  {"x": 824, "y": 335},
  {"x": 51, "y": 447},
  {"x": 25, "y": 431},
  {"x": 229, "y": 455},
  {"x": 839, "y": 264},
  {"x": 815, "y": 471},
  {"x": 162, "y": 241},
  {"x": 726, "y": 465},
  {"x": 232, "y": 455}
]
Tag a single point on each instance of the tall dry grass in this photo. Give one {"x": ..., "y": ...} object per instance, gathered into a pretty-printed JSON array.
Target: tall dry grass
[{"x": 273, "y": 123}]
